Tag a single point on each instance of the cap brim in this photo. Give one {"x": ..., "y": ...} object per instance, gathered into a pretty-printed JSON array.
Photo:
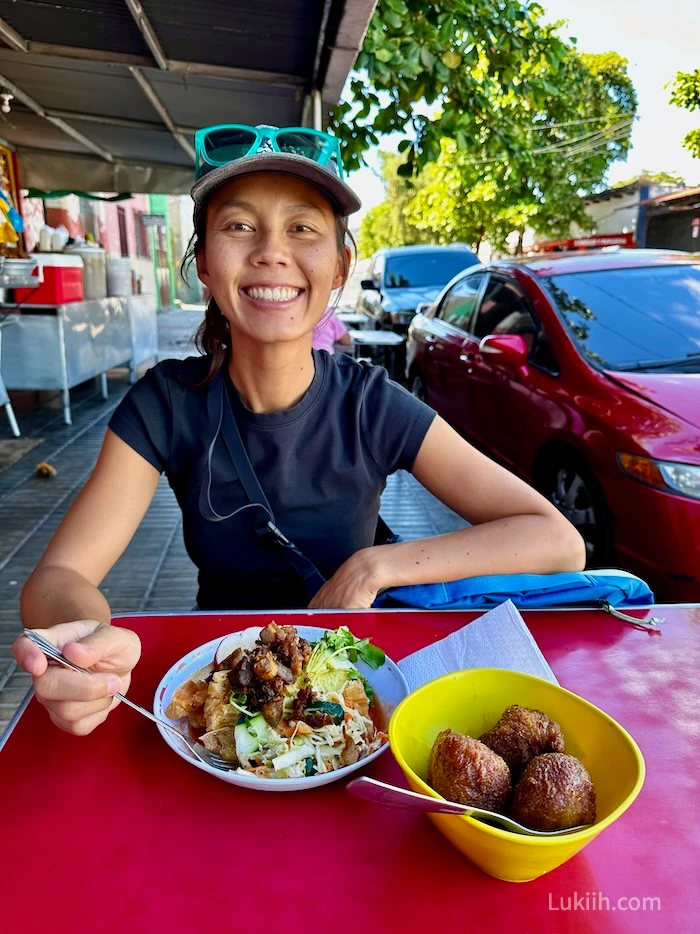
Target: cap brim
[{"x": 339, "y": 193}]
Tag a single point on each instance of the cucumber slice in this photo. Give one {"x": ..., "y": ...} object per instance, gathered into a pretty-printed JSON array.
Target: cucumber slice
[
  {"x": 291, "y": 757},
  {"x": 247, "y": 743}
]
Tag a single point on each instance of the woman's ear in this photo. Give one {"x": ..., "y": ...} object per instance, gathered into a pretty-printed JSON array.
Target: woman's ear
[
  {"x": 202, "y": 271},
  {"x": 341, "y": 276}
]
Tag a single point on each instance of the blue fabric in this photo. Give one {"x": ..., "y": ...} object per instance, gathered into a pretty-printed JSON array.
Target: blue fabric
[{"x": 527, "y": 591}]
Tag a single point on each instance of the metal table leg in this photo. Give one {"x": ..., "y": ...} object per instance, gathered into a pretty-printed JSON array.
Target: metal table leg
[{"x": 65, "y": 391}]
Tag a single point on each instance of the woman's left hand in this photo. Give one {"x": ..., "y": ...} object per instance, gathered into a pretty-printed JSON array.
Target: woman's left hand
[{"x": 353, "y": 586}]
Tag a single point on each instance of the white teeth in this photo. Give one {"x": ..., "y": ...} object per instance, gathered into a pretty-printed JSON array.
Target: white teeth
[{"x": 272, "y": 295}]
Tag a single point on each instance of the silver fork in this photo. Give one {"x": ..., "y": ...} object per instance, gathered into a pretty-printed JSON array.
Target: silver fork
[{"x": 208, "y": 758}]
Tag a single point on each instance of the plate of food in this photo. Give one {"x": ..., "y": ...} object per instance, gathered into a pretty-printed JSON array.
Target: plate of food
[{"x": 290, "y": 707}]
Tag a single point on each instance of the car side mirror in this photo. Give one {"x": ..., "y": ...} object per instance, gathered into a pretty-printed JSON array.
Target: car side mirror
[
  {"x": 505, "y": 348},
  {"x": 422, "y": 307},
  {"x": 369, "y": 284}
]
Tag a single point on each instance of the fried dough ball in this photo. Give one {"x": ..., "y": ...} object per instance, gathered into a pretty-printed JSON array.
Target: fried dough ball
[
  {"x": 464, "y": 770},
  {"x": 521, "y": 734},
  {"x": 555, "y": 792}
]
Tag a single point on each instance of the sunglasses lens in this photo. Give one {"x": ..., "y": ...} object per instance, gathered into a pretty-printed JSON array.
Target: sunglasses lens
[
  {"x": 304, "y": 144},
  {"x": 225, "y": 145}
]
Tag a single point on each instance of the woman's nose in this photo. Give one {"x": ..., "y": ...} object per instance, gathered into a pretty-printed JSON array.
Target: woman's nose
[{"x": 270, "y": 250}]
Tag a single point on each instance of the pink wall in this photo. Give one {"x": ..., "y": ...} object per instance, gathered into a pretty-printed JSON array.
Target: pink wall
[{"x": 109, "y": 224}]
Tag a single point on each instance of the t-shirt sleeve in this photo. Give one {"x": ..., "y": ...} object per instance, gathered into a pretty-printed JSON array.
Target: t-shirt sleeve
[
  {"x": 144, "y": 417},
  {"x": 338, "y": 328},
  {"x": 394, "y": 422}
]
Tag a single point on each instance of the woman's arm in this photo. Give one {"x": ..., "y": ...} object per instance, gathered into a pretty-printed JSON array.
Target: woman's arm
[
  {"x": 90, "y": 539},
  {"x": 514, "y": 529},
  {"x": 61, "y": 597}
]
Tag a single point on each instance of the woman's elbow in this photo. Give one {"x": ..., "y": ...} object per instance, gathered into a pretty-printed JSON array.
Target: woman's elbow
[{"x": 571, "y": 547}]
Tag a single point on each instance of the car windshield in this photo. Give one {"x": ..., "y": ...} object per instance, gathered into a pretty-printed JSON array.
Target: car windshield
[
  {"x": 632, "y": 319},
  {"x": 433, "y": 268}
]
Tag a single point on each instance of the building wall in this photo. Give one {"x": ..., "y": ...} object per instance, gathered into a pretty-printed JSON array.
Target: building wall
[
  {"x": 674, "y": 230},
  {"x": 619, "y": 213}
]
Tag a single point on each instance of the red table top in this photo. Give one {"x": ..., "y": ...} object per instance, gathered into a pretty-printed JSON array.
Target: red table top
[{"x": 115, "y": 832}]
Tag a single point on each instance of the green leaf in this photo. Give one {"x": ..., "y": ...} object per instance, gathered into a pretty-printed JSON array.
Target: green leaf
[
  {"x": 383, "y": 54},
  {"x": 427, "y": 57},
  {"x": 393, "y": 19}
]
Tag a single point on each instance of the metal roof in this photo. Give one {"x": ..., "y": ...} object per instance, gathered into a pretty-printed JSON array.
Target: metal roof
[{"x": 110, "y": 91}]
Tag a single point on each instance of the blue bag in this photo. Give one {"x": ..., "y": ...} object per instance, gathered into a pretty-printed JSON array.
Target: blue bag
[{"x": 527, "y": 591}]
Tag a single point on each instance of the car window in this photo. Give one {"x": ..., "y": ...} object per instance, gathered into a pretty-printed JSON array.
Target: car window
[
  {"x": 458, "y": 304},
  {"x": 504, "y": 310},
  {"x": 542, "y": 353},
  {"x": 378, "y": 269},
  {"x": 432, "y": 268},
  {"x": 632, "y": 318}
]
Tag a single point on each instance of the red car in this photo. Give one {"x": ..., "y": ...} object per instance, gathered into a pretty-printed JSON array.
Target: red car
[{"x": 581, "y": 373}]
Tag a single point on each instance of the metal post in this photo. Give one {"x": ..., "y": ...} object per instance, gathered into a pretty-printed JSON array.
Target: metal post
[
  {"x": 103, "y": 385},
  {"x": 317, "y": 109},
  {"x": 65, "y": 392}
]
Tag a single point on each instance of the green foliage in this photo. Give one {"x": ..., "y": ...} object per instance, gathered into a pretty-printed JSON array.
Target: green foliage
[
  {"x": 458, "y": 55},
  {"x": 655, "y": 178},
  {"x": 686, "y": 94},
  {"x": 386, "y": 224},
  {"x": 460, "y": 202},
  {"x": 563, "y": 152}
]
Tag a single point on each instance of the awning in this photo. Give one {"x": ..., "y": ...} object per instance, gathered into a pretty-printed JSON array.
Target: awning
[{"x": 107, "y": 93}]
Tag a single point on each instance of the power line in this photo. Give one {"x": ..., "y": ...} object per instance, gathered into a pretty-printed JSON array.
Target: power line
[{"x": 550, "y": 126}]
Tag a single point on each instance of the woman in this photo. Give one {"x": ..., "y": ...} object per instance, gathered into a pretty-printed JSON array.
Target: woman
[{"x": 322, "y": 433}]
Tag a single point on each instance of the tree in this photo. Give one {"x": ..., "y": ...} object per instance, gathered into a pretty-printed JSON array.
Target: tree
[
  {"x": 563, "y": 152},
  {"x": 459, "y": 202},
  {"x": 686, "y": 94},
  {"x": 654, "y": 178},
  {"x": 457, "y": 54},
  {"x": 386, "y": 224}
]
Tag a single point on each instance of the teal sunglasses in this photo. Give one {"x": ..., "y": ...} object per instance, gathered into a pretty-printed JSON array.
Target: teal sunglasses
[{"x": 227, "y": 142}]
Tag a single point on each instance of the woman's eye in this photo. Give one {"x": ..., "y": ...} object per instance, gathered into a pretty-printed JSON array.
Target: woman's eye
[
  {"x": 302, "y": 228},
  {"x": 240, "y": 225}
]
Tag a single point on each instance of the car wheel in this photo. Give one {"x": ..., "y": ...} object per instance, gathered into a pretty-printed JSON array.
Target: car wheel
[
  {"x": 569, "y": 483},
  {"x": 418, "y": 387}
]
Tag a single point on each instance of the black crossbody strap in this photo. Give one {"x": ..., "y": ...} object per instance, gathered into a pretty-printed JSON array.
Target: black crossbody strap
[{"x": 221, "y": 415}]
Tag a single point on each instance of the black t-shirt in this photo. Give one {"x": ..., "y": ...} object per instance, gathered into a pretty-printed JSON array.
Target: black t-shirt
[{"x": 322, "y": 465}]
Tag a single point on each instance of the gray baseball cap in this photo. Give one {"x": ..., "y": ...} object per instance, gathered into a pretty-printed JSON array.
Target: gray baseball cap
[{"x": 324, "y": 177}]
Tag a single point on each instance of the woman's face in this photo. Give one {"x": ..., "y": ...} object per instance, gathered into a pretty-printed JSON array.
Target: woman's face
[{"x": 271, "y": 256}]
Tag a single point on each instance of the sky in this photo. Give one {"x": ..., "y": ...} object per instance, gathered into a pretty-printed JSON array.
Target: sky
[{"x": 659, "y": 39}]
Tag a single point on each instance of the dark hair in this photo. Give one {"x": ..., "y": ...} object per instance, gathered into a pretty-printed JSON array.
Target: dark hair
[{"x": 213, "y": 336}]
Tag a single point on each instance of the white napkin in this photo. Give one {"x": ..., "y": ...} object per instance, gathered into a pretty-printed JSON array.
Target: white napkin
[{"x": 498, "y": 639}]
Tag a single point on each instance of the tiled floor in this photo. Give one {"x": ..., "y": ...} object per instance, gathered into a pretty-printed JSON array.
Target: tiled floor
[{"x": 155, "y": 572}]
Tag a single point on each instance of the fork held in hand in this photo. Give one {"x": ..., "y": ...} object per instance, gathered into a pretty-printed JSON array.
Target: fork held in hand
[{"x": 208, "y": 758}]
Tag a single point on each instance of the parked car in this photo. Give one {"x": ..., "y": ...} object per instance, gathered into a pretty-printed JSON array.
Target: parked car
[
  {"x": 581, "y": 373},
  {"x": 400, "y": 278}
]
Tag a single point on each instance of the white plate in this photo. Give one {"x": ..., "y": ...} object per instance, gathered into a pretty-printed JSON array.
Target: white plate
[{"x": 388, "y": 682}]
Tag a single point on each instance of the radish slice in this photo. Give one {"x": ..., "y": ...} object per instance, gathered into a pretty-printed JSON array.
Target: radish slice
[{"x": 245, "y": 639}]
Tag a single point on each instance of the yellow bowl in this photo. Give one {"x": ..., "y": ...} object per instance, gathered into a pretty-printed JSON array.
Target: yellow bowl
[{"x": 471, "y": 702}]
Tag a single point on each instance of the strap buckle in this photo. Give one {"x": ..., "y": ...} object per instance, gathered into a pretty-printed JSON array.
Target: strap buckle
[{"x": 269, "y": 528}]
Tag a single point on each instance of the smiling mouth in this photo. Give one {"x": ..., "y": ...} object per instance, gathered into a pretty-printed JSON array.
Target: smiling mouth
[{"x": 260, "y": 294}]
